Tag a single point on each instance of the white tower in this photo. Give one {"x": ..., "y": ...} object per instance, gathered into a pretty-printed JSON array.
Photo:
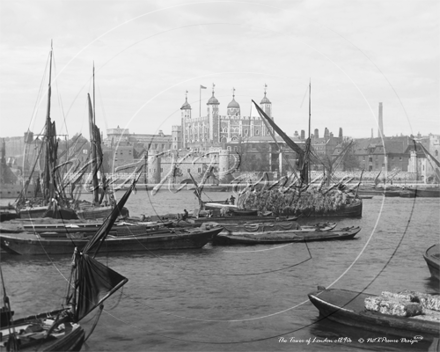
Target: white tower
[{"x": 213, "y": 117}]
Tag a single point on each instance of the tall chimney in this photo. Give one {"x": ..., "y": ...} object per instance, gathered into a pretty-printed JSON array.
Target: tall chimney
[{"x": 380, "y": 131}]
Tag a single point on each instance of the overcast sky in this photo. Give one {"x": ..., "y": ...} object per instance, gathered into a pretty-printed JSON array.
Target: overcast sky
[{"x": 147, "y": 54}]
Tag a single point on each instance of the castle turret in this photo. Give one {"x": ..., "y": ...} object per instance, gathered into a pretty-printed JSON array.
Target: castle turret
[
  {"x": 266, "y": 105},
  {"x": 186, "y": 116},
  {"x": 154, "y": 165},
  {"x": 233, "y": 106},
  {"x": 213, "y": 117},
  {"x": 223, "y": 165},
  {"x": 176, "y": 135}
]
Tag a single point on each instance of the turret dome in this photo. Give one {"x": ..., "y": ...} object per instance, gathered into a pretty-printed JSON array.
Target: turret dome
[
  {"x": 186, "y": 105},
  {"x": 233, "y": 104},
  {"x": 265, "y": 100},
  {"x": 213, "y": 100}
]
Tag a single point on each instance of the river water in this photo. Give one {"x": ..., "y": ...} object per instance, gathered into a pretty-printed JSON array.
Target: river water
[{"x": 243, "y": 298}]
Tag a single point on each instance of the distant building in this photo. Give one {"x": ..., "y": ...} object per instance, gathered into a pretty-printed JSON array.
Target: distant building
[
  {"x": 128, "y": 146},
  {"x": 325, "y": 145},
  {"x": 152, "y": 142},
  {"x": 216, "y": 130},
  {"x": 423, "y": 163},
  {"x": 382, "y": 154}
]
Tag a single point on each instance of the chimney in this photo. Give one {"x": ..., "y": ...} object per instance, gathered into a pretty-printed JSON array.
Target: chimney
[
  {"x": 380, "y": 131},
  {"x": 303, "y": 134}
]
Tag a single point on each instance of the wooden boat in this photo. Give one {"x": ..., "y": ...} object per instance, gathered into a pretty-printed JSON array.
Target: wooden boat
[
  {"x": 353, "y": 209},
  {"x": 223, "y": 220},
  {"x": 365, "y": 196},
  {"x": 90, "y": 284},
  {"x": 391, "y": 193},
  {"x": 274, "y": 228},
  {"x": 47, "y": 212},
  {"x": 60, "y": 228},
  {"x": 370, "y": 191},
  {"x": 428, "y": 192},
  {"x": 29, "y": 333},
  {"x": 348, "y": 308},
  {"x": 31, "y": 244},
  {"x": 252, "y": 239},
  {"x": 7, "y": 214},
  {"x": 243, "y": 212},
  {"x": 432, "y": 258},
  {"x": 94, "y": 212},
  {"x": 407, "y": 193}
]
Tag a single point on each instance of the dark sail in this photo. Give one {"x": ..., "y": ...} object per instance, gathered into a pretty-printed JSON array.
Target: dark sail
[
  {"x": 96, "y": 282},
  {"x": 303, "y": 155},
  {"x": 278, "y": 130}
]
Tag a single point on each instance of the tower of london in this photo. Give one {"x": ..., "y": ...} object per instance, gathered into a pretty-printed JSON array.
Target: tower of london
[{"x": 215, "y": 130}]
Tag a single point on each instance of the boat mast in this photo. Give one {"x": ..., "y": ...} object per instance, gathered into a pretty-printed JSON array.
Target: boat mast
[
  {"x": 93, "y": 145},
  {"x": 47, "y": 191},
  {"x": 309, "y": 140}
]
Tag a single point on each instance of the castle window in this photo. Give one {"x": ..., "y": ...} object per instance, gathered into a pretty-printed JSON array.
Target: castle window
[{"x": 257, "y": 132}]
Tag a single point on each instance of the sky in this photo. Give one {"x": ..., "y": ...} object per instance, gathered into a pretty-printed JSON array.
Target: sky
[{"x": 148, "y": 54}]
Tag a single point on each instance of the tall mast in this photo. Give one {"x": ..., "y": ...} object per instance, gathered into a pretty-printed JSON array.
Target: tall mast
[
  {"x": 49, "y": 91},
  {"x": 94, "y": 110},
  {"x": 310, "y": 105},
  {"x": 309, "y": 140},
  {"x": 93, "y": 144},
  {"x": 48, "y": 137}
]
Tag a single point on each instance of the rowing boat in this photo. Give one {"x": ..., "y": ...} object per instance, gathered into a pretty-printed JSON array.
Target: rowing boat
[
  {"x": 348, "y": 308},
  {"x": 432, "y": 258},
  {"x": 263, "y": 238}
]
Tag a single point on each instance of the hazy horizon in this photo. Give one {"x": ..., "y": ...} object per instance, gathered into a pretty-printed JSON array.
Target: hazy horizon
[{"x": 147, "y": 54}]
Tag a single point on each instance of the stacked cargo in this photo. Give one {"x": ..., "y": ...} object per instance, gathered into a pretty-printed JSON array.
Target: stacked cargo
[{"x": 406, "y": 304}]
